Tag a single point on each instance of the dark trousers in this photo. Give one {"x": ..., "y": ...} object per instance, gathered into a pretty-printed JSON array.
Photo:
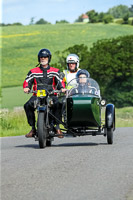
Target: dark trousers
[{"x": 29, "y": 108}]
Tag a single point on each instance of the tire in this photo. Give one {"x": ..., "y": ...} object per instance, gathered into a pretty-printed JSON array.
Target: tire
[
  {"x": 110, "y": 136},
  {"x": 41, "y": 130}
]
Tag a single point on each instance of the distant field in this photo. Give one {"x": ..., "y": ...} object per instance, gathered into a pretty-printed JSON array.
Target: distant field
[
  {"x": 20, "y": 44},
  {"x": 13, "y": 97}
]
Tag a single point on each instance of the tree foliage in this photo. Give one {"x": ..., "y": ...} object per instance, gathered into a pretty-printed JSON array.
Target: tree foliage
[
  {"x": 125, "y": 19},
  {"x": 14, "y": 24},
  {"x": 93, "y": 16},
  {"x": 120, "y": 11},
  {"x": 120, "y": 92},
  {"x": 62, "y": 22},
  {"x": 110, "y": 62},
  {"x": 32, "y": 20},
  {"x": 107, "y": 18},
  {"x": 79, "y": 19},
  {"x": 42, "y": 21},
  {"x": 80, "y": 50}
]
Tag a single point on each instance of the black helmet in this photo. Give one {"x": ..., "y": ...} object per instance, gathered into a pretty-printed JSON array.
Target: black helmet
[
  {"x": 83, "y": 71},
  {"x": 44, "y": 53}
]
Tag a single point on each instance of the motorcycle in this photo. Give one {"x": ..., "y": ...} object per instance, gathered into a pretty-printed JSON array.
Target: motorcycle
[{"x": 81, "y": 112}]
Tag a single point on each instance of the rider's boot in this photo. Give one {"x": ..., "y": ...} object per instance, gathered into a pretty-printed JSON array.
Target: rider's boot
[
  {"x": 59, "y": 132},
  {"x": 32, "y": 133}
]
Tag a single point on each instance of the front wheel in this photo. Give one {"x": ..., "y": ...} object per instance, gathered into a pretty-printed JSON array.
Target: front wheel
[
  {"x": 41, "y": 130},
  {"x": 110, "y": 136}
]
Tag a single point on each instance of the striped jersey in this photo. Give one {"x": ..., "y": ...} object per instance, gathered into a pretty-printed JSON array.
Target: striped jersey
[{"x": 38, "y": 76}]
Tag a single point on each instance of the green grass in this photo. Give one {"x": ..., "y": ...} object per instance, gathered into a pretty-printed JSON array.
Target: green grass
[
  {"x": 15, "y": 123},
  {"x": 13, "y": 97},
  {"x": 20, "y": 44},
  {"x": 124, "y": 117}
]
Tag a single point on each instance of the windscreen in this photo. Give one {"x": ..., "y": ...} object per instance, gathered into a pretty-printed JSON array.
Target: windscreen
[{"x": 83, "y": 85}]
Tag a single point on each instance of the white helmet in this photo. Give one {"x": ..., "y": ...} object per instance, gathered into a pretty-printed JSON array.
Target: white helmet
[{"x": 72, "y": 58}]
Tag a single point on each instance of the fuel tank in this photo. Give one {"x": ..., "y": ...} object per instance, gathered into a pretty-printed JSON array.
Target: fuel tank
[{"x": 83, "y": 110}]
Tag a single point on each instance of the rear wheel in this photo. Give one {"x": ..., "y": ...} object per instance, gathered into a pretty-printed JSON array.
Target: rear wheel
[
  {"x": 110, "y": 136},
  {"x": 41, "y": 130}
]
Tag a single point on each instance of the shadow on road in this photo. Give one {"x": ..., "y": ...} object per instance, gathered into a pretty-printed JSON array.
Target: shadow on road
[
  {"x": 78, "y": 144},
  {"x": 34, "y": 146}
]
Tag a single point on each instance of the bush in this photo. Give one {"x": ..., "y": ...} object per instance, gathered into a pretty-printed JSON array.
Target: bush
[
  {"x": 62, "y": 22},
  {"x": 130, "y": 21},
  {"x": 125, "y": 19},
  {"x": 120, "y": 92},
  {"x": 41, "y": 21},
  {"x": 119, "y": 21},
  {"x": 107, "y": 19},
  {"x": 110, "y": 62},
  {"x": 80, "y": 50}
]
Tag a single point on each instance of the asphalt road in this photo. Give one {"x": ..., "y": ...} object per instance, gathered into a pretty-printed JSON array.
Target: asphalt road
[{"x": 82, "y": 168}]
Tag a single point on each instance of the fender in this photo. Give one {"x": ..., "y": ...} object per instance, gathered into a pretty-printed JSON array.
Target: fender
[{"x": 110, "y": 116}]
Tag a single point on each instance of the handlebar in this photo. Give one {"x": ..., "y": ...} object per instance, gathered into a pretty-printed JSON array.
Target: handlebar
[
  {"x": 32, "y": 91},
  {"x": 50, "y": 93}
]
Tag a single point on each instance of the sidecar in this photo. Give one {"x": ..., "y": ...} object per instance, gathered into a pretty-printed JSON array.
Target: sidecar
[{"x": 83, "y": 111}]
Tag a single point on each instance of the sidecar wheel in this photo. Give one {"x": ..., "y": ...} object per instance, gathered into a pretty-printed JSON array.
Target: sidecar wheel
[
  {"x": 110, "y": 136},
  {"x": 41, "y": 130}
]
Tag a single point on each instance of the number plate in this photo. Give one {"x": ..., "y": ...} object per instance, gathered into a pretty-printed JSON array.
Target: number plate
[{"x": 41, "y": 93}]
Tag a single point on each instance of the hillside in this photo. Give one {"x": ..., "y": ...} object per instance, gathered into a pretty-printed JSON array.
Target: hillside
[{"x": 20, "y": 44}]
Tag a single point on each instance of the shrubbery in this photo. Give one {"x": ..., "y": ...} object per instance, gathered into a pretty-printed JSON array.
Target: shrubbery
[{"x": 110, "y": 62}]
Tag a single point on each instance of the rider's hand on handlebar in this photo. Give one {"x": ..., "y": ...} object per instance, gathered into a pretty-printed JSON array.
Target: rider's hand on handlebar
[{"x": 26, "y": 90}]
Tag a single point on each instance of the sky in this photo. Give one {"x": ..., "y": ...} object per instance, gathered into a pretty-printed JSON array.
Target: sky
[{"x": 51, "y": 10}]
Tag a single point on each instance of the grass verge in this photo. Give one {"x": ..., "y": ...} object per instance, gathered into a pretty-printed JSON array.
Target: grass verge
[{"x": 14, "y": 123}]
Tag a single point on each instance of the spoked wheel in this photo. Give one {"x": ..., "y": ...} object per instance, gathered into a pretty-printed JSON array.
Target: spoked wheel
[
  {"x": 110, "y": 136},
  {"x": 42, "y": 130}
]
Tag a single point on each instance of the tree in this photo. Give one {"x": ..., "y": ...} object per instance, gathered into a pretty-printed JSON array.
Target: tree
[
  {"x": 17, "y": 24},
  {"x": 80, "y": 50},
  {"x": 119, "y": 11},
  {"x": 62, "y": 22},
  {"x": 41, "y": 21},
  {"x": 110, "y": 62},
  {"x": 93, "y": 16},
  {"x": 131, "y": 10},
  {"x": 125, "y": 19},
  {"x": 101, "y": 17},
  {"x": 120, "y": 92},
  {"x": 32, "y": 20},
  {"x": 107, "y": 18},
  {"x": 79, "y": 19}
]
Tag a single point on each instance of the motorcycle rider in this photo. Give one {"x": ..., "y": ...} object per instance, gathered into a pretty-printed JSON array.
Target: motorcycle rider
[
  {"x": 44, "y": 74},
  {"x": 72, "y": 61}
]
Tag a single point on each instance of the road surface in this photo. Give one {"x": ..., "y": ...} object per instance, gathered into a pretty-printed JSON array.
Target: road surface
[{"x": 81, "y": 168}]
